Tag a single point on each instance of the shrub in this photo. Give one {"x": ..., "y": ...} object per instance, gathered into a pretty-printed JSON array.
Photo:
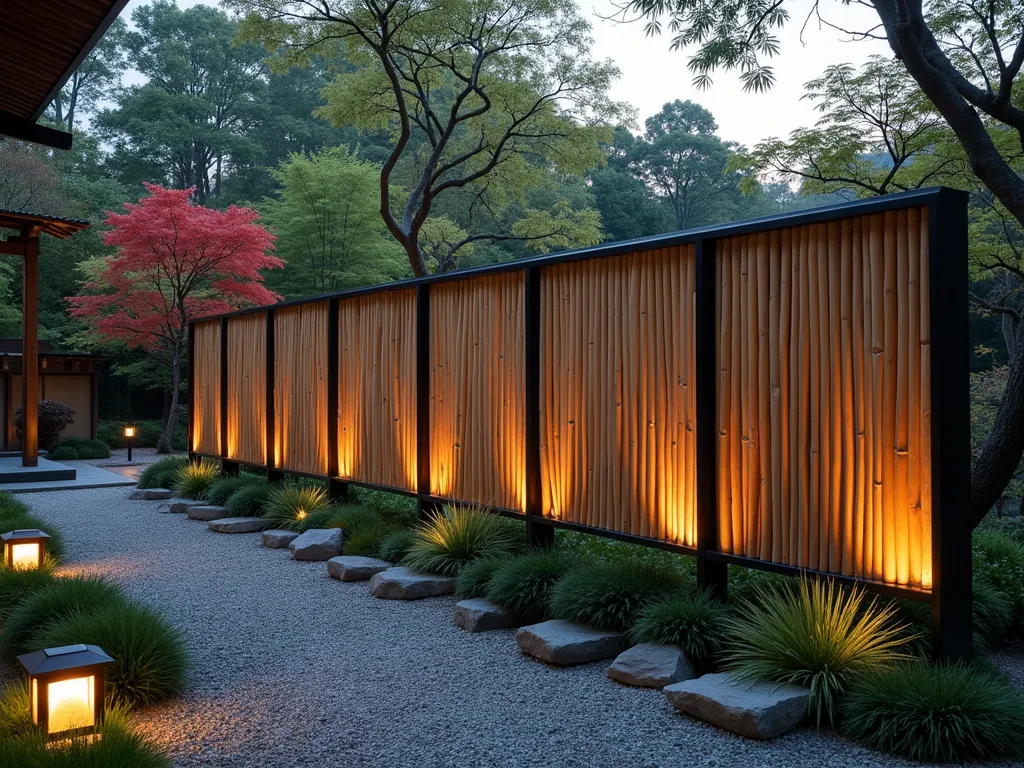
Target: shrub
[
  {"x": 524, "y": 584},
  {"x": 160, "y": 474},
  {"x": 221, "y": 489},
  {"x": 54, "y": 418},
  {"x": 475, "y": 577},
  {"x": 63, "y": 453},
  {"x": 11, "y": 505},
  {"x": 612, "y": 595},
  {"x": 288, "y": 505},
  {"x": 192, "y": 480},
  {"x": 94, "y": 449},
  {"x": 946, "y": 713},
  {"x": 250, "y": 500},
  {"x": 61, "y": 598},
  {"x": 351, "y": 518},
  {"x": 992, "y": 615},
  {"x": 84, "y": 449},
  {"x": 149, "y": 654},
  {"x": 392, "y": 507},
  {"x": 146, "y": 433},
  {"x": 55, "y": 545},
  {"x": 586, "y": 547},
  {"x": 458, "y": 536},
  {"x": 396, "y": 546},
  {"x": 366, "y": 540},
  {"x": 999, "y": 561},
  {"x": 820, "y": 637},
  {"x": 16, "y": 586},
  {"x": 695, "y": 622}
]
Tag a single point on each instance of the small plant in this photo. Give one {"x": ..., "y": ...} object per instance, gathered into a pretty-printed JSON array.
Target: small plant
[
  {"x": 82, "y": 448},
  {"x": 694, "y": 622},
  {"x": 160, "y": 474},
  {"x": 396, "y": 545},
  {"x": 458, "y": 536},
  {"x": 11, "y": 505},
  {"x": 936, "y": 714},
  {"x": 993, "y": 614},
  {"x": 194, "y": 479},
  {"x": 525, "y": 584},
  {"x": 366, "y": 540},
  {"x": 63, "y": 453},
  {"x": 392, "y": 507},
  {"x": 149, "y": 654},
  {"x": 612, "y": 595},
  {"x": 53, "y": 418},
  {"x": 821, "y": 637},
  {"x": 61, "y": 598},
  {"x": 17, "y": 586},
  {"x": 221, "y": 489},
  {"x": 999, "y": 561},
  {"x": 288, "y": 506},
  {"x": 475, "y": 577},
  {"x": 250, "y": 500}
]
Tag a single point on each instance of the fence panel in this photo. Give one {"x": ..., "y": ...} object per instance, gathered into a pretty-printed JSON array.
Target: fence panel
[
  {"x": 247, "y": 389},
  {"x": 205, "y": 413}
]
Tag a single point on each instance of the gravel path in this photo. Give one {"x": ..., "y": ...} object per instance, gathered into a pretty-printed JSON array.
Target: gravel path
[{"x": 291, "y": 668}]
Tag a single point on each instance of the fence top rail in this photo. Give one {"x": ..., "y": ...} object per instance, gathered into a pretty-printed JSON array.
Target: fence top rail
[{"x": 826, "y": 213}]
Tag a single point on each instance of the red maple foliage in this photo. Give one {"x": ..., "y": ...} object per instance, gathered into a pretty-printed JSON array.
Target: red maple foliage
[{"x": 174, "y": 262}]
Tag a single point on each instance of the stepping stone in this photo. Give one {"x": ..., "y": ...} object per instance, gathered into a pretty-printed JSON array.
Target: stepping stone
[
  {"x": 355, "y": 568},
  {"x": 649, "y": 665},
  {"x": 238, "y": 525},
  {"x": 754, "y": 710},
  {"x": 316, "y": 544},
  {"x": 564, "y": 643},
  {"x": 277, "y": 539},
  {"x": 400, "y": 583},
  {"x": 205, "y": 512},
  {"x": 481, "y": 615},
  {"x": 176, "y": 506},
  {"x": 151, "y": 494}
]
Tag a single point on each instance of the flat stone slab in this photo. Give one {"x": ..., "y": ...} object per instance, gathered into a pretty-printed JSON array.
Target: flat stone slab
[
  {"x": 400, "y": 583},
  {"x": 206, "y": 512},
  {"x": 355, "y": 568},
  {"x": 753, "y": 710},
  {"x": 649, "y": 665},
  {"x": 151, "y": 494},
  {"x": 277, "y": 539},
  {"x": 481, "y": 615},
  {"x": 176, "y": 506},
  {"x": 564, "y": 643},
  {"x": 316, "y": 544},
  {"x": 238, "y": 525}
]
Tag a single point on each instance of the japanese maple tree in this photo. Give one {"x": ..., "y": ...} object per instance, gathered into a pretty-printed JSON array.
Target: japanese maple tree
[{"x": 175, "y": 262}]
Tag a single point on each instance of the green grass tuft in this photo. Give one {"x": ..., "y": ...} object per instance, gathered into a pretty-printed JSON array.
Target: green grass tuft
[
  {"x": 11, "y": 506},
  {"x": 149, "y": 654},
  {"x": 220, "y": 490},
  {"x": 392, "y": 507},
  {"x": 288, "y": 506},
  {"x": 695, "y": 622},
  {"x": 612, "y": 595},
  {"x": 458, "y": 536},
  {"x": 17, "y": 586},
  {"x": 821, "y": 637},
  {"x": 396, "y": 545},
  {"x": 195, "y": 478},
  {"x": 936, "y": 714},
  {"x": 366, "y": 540},
  {"x": 525, "y": 584},
  {"x": 160, "y": 474},
  {"x": 475, "y": 577},
  {"x": 250, "y": 500}
]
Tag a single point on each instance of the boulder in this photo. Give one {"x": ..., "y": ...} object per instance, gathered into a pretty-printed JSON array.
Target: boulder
[
  {"x": 754, "y": 710},
  {"x": 564, "y": 643},
  {"x": 206, "y": 512},
  {"x": 238, "y": 525},
  {"x": 650, "y": 665},
  {"x": 277, "y": 539},
  {"x": 481, "y": 615},
  {"x": 354, "y": 568},
  {"x": 316, "y": 544},
  {"x": 400, "y": 583},
  {"x": 176, "y": 506},
  {"x": 151, "y": 494}
]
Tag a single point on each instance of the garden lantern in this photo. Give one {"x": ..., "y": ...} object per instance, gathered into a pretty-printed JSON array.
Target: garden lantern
[
  {"x": 66, "y": 689},
  {"x": 129, "y": 438},
  {"x": 24, "y": 549}
]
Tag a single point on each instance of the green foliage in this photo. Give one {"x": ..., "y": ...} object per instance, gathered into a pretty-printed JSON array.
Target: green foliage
[
  {"x": 999, "y": 561},
  {"x": 612, "y": 595},
  {"x": 396, "y": 545},
  {"x": 221, "y": 489},
  {"x": 459, "y": 535},
  {"x": 149, "y": 654},
  {"x": 696, "y": 622},
  {"x": 11, "y": 506},
  {"x": 366, "y": 539},
  {"x": 63, "y": 453},
  {"x": 589, "y": 548},
  {"x": 475, "y": 577},
  {"x": 392, "y": 507},
  {"x": 17, "y": 586},
  {"x": 821, "y": 637},
  {"x": 525, "y": 584},
  {"x": 192, "y": 480},
  {"x": 993, "y": 614},
  {"x": 61, "y": 598},
  {"x": 82, "y": 448},
  {"x": 936, "y": 714},
  {"x": 146, "y": 433},
  {"x": 54, "y": 417},
  {"x": 250, "y": 500},
  {"x": 288, "y": 506},
  {"x": 160, "y": 474}
]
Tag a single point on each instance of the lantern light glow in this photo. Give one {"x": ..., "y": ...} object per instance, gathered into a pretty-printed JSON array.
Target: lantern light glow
[
  {"x": 24, "y": 549},
  {"x": 129, "y": 431},
  {"x": 67, "y": 688}
]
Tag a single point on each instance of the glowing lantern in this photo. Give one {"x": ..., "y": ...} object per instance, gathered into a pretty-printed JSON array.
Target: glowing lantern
[
  {"x": 66, "y": 689},
  {"x": 129, "y": 438},
  {"x": 24, "y": 549}
]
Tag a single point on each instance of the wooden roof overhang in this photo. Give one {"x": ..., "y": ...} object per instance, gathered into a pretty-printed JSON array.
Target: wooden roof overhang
[
  {"x": 30, "y": 223},
  {"x": 42, "y": 42}
]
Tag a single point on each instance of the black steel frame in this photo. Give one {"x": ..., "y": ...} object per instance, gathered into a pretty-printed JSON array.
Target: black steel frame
[{"x": 950, "y": 595}]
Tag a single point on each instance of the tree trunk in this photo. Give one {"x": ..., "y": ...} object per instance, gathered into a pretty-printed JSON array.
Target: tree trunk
[{"x": 163, "y": 445}]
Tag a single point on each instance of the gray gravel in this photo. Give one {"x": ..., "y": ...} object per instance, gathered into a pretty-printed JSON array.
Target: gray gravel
[{"x": 293, "y": 668}]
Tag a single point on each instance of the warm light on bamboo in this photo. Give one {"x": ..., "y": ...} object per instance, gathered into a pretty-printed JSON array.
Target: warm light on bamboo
[
  {"x": 300, "y": 388},
  {"x": 206, "y": 394},
  {"x": 247, "y": 386}
]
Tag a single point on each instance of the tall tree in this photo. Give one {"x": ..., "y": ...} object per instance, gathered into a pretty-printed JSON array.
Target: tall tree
[
  {"x": 966, "y": 56},
  {"x": 477, "y": 94},
  {"x": 174, "y": 262},
  {"x": 93, "y": 80},
  {"x": 27, "y": 181}
]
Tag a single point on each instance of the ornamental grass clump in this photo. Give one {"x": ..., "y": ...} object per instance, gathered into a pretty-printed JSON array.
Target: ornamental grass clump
[
  {"x": 525, "y": 584},
  {"x": 458, "y": 536},
  {"x": 160, "y": 474},
  {"x": 366, "y": 540},
  {"x": 250, "y": 500},
  {"x": 396, "y": 546},
  {"x": 221, "y": 489},
  {"x": 17, "y": 585},
  {"x": 475, "y": 577},
  {"x": 192, "y": 480},
  {"x": 694, "y": 622},
  {"x": 612, "y": 595},
  {"x": 998, "y": 560},
  {"x": 821, "y": 637},
  {"x": 288, "y": 505},
  {"x": 936, "y": 713}
]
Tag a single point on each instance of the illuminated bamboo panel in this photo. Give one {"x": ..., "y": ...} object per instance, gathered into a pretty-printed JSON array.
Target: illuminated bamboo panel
[
  {"x": 617, "y": 393},
  {"x": 377, "y": 389},
  {"x": 300, "y": 388},
  {"x": 247, "y": 386},
  {"x": 206, "y": 393},
  {"x": 477, "y": 391},
  {"x": 824, "y": 416}
]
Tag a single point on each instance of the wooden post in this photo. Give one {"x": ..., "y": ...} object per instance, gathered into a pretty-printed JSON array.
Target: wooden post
[
  {"x": 224, "y": 389},
  {"x": 337, "y": 488},
  {"x": 423, "y": 504},
  {"x": 537, "y": 534},
  {"x": 191, "y": 389},
  {"x": 273, "y": 474},
  {"x": 30, "y": 348}
]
